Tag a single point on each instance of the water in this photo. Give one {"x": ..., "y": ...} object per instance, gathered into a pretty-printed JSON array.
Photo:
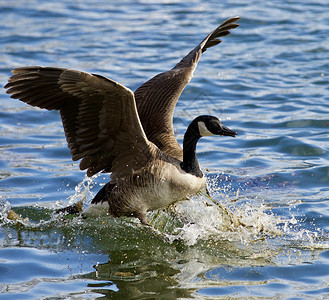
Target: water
[{"x": 264, "y": 234}]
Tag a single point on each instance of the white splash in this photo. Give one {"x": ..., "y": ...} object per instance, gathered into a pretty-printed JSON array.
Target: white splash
[
  {"x": 224, "y": 216},
  {"x": 228, "y": 216},
  {"x": 83, "y": 190}
]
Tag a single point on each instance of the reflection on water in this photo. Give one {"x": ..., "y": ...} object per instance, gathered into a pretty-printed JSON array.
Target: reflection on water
[
  {"x": 187, "y": 247},
  {"x": 264, "y": 231},
  {"x": 136, "y": 260}
]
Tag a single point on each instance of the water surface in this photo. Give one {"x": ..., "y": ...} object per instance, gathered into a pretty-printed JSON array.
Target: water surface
[{"x": 265, "y": 234}]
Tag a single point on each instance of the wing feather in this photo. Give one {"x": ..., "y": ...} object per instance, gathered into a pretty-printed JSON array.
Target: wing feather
[
  {"x": 99, "y": 116},
  {"x": 156, "y": 99}
]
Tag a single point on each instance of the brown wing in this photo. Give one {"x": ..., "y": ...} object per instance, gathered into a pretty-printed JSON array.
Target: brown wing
[
  {"x": 156, "y": 99},
  {"x": 99, "y": 116}
]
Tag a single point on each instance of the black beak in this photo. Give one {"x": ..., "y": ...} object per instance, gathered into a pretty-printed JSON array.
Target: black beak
[{"x": 227, "y": 131}]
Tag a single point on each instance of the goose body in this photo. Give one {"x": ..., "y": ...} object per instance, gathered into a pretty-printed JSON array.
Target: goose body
[
  {"x": 111, "y": 129},
  {"x": 163, "y": 181},
  {"x": 156, "y": 186}
]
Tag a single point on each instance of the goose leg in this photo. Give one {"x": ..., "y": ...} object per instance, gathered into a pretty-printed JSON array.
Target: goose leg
[{"x": 207, "y": 191}]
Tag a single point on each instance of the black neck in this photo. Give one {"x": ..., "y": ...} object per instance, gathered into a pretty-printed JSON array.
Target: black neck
[{"x": 190, "y": 162}]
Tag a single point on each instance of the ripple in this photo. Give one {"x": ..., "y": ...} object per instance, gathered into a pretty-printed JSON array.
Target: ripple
[
  {"x": 267, "y": 236},
  {"x": 297, "y": 148}
]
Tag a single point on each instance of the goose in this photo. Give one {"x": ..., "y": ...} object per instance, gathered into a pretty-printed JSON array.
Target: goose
[{"x": 130, "y": 135}]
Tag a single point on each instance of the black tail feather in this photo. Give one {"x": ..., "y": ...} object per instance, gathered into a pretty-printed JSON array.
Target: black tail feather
[{"x": 74, "y": 209}]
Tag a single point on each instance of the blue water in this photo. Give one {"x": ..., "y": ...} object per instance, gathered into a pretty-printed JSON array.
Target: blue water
[{"x": 266, "y": 236}]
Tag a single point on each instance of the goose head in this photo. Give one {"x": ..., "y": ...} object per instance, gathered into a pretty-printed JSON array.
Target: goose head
[
  {"x": 210, "y": 125},
  {"x": 201, "y": 126}
]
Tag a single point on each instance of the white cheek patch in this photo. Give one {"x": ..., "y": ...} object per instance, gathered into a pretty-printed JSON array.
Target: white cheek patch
[{"x": 204, "y": 130}]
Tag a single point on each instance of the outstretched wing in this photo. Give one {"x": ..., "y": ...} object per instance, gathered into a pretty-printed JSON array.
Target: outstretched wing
[
  {"x": 156, "y": 99},
  {"x": 99, "y": 116}
]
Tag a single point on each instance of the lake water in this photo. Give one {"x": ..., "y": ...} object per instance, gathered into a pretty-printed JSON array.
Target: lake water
[{"x": 264, "y": 235}]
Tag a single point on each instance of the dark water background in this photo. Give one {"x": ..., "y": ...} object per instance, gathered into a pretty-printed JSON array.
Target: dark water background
[{"x": 268, "y": 80}]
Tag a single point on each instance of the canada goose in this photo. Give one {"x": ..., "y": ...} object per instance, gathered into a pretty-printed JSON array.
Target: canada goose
[{"x": 111, "y": 129}]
